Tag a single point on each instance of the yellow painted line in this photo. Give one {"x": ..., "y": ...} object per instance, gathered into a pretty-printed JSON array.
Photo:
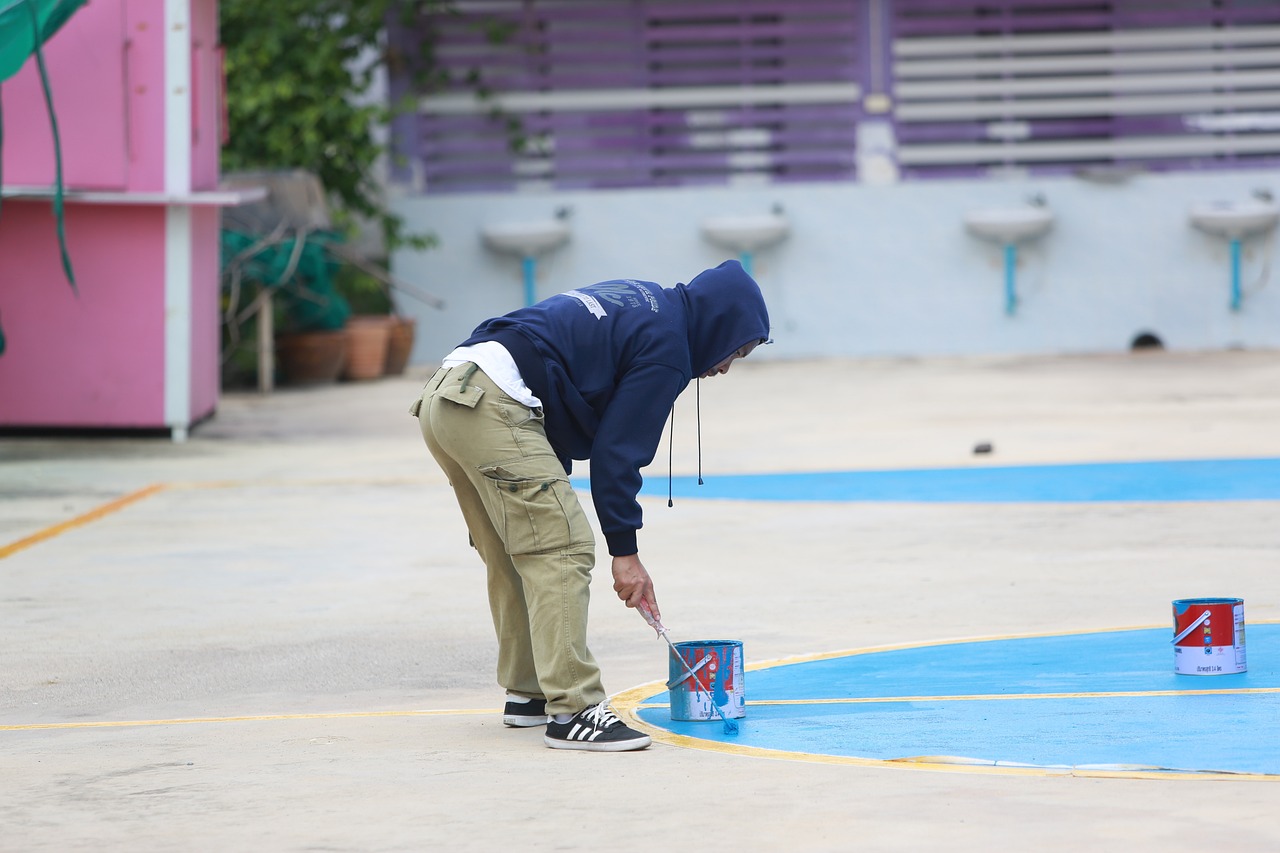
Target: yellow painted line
[
  {"x": 346, "y": 715},
  {"x": 992, "y": 697},
  {"x": 893, "y": 647},
  {"x": 628, "y": 702},
  {"x": 80, "y": 520},
  {"x": 133, "y": 497}
]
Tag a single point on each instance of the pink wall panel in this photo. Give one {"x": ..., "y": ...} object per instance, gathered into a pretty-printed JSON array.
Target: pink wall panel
[
  {"x": 96, "y": 360},
  {"x": 99, "y": 360},
  {"x": 205, "y": 325},
  {"x": 86, "y": 64},
  {"x": 206, "y": 86},
  {"x": 144, "y": 26}
]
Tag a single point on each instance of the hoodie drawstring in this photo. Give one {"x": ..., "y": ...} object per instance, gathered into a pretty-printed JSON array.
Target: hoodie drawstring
[
  {"x": 671, "y": 438},
  {"x": 697, "y": 414},
  {"x": 671, "y": 441}
]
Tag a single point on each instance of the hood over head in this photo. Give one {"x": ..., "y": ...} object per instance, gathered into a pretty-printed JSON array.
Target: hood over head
[{"x": 726, "y": 311}]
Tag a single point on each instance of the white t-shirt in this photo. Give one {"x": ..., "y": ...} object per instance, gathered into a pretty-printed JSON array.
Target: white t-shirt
[{"x": 497, "y": 363}]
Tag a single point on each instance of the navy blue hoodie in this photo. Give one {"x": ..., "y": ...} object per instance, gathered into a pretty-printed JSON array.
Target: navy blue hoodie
[{"x": 608, "y": 361}]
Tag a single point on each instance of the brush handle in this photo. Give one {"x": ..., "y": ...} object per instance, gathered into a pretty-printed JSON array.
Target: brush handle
[{"x": 653, "y": 621}]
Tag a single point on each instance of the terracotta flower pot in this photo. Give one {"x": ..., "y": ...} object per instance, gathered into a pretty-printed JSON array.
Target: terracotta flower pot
[
  {"x": 400, "y": 344},
  {"x": 367, "y": 338},
  {"x": 310, "y": 358}
]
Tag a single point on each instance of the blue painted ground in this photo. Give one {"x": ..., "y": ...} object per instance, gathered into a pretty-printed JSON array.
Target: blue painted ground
[
  {"x": 1188, "y": 480},
  {"x": 1199, "y": 731}
]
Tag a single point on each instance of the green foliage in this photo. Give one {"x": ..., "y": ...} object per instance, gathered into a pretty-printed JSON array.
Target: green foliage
[
  {"x": 298, "y": 76},
  {"x": 363, "y": 292}
]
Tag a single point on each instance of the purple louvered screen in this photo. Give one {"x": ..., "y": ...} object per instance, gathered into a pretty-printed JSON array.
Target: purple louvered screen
[
  {"x": 643, "y": 93},
  {"x": 633, "y": 93},
  {"x": 1051, "y": 85}
]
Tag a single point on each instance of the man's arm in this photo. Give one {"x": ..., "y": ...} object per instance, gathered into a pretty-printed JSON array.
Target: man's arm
[{"x": 626, "y": 441}]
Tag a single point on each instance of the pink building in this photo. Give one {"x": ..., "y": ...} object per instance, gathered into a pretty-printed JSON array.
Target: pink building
[{"x": 137, "y": 88}]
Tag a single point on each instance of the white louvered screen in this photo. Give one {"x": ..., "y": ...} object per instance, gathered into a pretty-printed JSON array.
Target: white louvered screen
[{"x": 1018, "y": 97}]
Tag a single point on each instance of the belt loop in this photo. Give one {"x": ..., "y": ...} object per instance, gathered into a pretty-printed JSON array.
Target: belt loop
[{"x": 466, "y": 377}]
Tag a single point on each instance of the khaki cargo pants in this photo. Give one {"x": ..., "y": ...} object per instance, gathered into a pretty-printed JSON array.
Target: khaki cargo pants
[{"x": 530, "y": 530}]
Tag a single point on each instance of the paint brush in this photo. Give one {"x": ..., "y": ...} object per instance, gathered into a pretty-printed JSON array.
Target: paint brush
[{"x": 730, "y": 726}]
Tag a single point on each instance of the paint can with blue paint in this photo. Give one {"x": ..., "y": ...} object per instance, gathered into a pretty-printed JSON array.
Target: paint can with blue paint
[
  {"x": 1208, "y": 636},
  {"x": 716, "y": 677}
]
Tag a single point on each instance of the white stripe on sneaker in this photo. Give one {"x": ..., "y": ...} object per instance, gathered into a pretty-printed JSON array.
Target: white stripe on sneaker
[{"x": 597, "y": 729}]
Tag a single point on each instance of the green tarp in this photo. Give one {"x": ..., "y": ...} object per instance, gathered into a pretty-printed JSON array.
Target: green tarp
[{"x": 25, "y": 25}]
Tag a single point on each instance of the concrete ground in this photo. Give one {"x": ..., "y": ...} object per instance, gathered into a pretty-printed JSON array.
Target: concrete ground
[{"x": 286, "y": 647}]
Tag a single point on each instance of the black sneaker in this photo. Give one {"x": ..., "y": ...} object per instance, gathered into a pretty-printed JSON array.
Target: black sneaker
[
  {"x": 522, "y": 715},
  {"x": 596, "y": 729}
]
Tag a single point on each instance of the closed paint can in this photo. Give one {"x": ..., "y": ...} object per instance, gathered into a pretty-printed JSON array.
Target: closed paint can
[
  {"x": 717, "y": 677},
  {"x": 1208, "y": 636}
]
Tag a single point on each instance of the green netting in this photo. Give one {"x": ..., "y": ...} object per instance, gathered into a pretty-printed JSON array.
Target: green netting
[{"x": 303, "y": 288}]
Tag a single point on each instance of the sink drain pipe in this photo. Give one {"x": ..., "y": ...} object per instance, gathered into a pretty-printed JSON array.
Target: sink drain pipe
[
  {"x": 1235, "y": 273},
  {"x": 1010, "y": 272}
]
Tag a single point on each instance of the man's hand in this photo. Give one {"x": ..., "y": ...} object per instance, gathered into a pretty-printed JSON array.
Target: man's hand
[{"x": 632, "y": 583}]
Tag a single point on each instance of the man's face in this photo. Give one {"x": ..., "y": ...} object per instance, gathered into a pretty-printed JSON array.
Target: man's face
[{"x": 723, "y": 367}]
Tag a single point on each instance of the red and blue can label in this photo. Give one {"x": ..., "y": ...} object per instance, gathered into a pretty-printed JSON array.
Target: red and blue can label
[
  {"x": 1208, "y": 636},
  {"x": 717, "y": 677}
]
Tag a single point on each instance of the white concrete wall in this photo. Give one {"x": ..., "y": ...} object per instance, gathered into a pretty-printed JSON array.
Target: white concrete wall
[{"x": 885, "y": 270}]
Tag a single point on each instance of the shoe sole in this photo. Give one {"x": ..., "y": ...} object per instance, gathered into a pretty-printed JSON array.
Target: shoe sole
[
  {"x": 597, "y": 746},
  {"x": 524, "y": 722}
]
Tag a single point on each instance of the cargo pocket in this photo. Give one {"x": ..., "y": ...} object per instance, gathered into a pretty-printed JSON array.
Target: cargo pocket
[
  {"x": 428, "y": 390},
  {"x": 464, "y": 395},
  {"x": 533, "y": 507}
]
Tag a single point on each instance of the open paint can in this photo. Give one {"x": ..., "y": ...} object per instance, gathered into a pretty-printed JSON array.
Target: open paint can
[
  {"x": 1208, "y": 636},
  {"x": 717, "y": 677}
]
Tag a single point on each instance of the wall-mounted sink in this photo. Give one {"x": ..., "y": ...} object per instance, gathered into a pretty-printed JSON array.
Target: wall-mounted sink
[
  {"x": 526, "y": 239},
  {"x": 1006, "y": 225},
  {"x": 1235, "y": 220},
  {"x": 746, "y": 233},
  {"x": 1010, "y": 226}
]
